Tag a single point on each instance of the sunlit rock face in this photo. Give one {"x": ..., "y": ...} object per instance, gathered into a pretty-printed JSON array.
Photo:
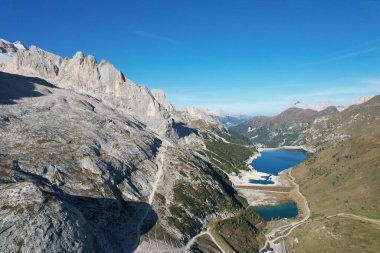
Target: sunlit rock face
[
  {"x": 83, "y": 74},
  {"x": 89, "y": 160}
]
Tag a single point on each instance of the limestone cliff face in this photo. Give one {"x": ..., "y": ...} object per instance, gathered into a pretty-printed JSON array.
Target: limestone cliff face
[
  {"x": 159, "y": 95},
  {"x": 104, "y": 81},
  {"x": 10, "y": 48},
  {"x": 194, "y": 114},
  {"x": 37, "y": 61},
  {"x": 91, "y": 162},
  {"x": 101, "y": 80}
]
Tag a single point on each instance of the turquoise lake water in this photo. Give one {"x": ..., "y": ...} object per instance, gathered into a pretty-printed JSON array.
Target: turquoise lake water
[
  {"x": 283, "y": 210},
  {"x": 264, "y": 180},
  {"x": 274, "y": 161}
]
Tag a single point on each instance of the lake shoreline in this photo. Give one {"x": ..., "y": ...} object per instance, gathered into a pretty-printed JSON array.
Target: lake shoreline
[
  {"x": 284, "y": 193},
  {"x": 307, "y": 149},
  {"x": 244, "y": 177},
  {"x": 282, "y": 210}
]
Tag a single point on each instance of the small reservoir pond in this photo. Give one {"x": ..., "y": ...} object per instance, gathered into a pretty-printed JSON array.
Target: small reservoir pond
[
  {"x": 282, "y": 210},
  {"x": 272, "y": 162}
]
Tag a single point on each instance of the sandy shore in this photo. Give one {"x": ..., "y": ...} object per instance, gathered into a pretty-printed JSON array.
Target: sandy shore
[
  {"x": 259, "y": 198},
  {"x": 287, "y": 147},
  {"x": 243, "y": 178}
]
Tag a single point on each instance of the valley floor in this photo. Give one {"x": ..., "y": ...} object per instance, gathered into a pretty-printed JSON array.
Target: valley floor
[{"x": 285, "y": 189}]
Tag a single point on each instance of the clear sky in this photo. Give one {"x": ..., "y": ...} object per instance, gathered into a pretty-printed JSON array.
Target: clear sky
[{"x": 253, "y": 56}]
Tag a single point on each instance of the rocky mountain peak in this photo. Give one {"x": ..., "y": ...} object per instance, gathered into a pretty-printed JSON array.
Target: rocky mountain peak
[
  {"x": 78, "y": 55},
  {"x": 362, "y": 99},
  {"x": 10, "y": 48},
  {"x": 296, "y": 114},
  {"x": 160, "y": 96},
  {"x": 328, "y": 111},
  {"x": 83, "y": 74},
  {"x": 18, "y": 44}
]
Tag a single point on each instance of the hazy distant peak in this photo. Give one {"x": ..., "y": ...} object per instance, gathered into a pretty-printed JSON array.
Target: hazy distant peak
[
  {"x": 322, "y": 105},
  {"x": 222, "y": 113},
  {"x": 362, "y": 99},
  {"x": 341, "y": 107},
  {"x": 319, "y": 106}
]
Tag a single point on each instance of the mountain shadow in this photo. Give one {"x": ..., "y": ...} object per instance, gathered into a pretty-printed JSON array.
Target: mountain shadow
[
  {"x": 14, "y": 87},
  {"x": 182, "y": 130},
  {"x": 97, "y": 223}
]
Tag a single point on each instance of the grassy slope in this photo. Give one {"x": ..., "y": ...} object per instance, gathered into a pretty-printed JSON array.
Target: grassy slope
[
  {"x": 210, "y": 191},
  {"x": 343, "y": 177},
  {"x": 336, "y": 235},
  {"x": 229, "y": 157},
  {"x": 204, "y": 193},
  {"x": 204, "y": 244},
  {"x": 240, "y": 233}
]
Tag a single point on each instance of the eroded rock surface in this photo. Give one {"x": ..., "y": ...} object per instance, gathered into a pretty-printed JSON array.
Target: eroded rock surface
[{"x": 91, "y": 162}]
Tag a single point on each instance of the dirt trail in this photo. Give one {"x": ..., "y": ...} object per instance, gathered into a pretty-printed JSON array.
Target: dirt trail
[
  {"x": 271, "y": 239},
  {"x": 191, "y": 242},
  {"x": 160, "y": 158}
]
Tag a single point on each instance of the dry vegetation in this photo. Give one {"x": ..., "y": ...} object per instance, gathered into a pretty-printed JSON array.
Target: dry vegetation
[
  {"x": 205, "y": 244},
  {"x": 335, "y": 235},
  {"x": 343, "y": 177},
  {"x": 241, "y": 233}
]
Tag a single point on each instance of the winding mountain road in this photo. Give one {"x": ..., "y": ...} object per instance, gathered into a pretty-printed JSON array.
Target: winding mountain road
[
  {"x": 278, "y": 242},
  {"x": 271, "y": 239},
  {"x": 191, "y": 242},
  {"x": 295, "y": 223}
]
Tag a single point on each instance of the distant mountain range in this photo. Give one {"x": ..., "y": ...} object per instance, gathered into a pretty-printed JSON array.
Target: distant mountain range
[
  {"x": 319, "y": 106},
  {"x": 288, "y": 127},
  {"x": 228, "y": 119}
]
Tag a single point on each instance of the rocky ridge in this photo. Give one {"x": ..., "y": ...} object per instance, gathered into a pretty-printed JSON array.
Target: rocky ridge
[
  {"x": 294, "y": 126},
  {"x": 85, "y": 75},
  {"x": 91, "y": 162},
  {"x": 282, "y": 129}
]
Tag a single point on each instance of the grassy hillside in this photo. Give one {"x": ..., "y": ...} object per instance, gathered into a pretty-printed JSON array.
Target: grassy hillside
[
  {"x": 342, "y": 177},
  {"x": 228, "y": 151},
  {"x": 204, "y": 194},
  {"x": 200, "y": 197},
  {"x": 240, "y": 233},
  {"x": 335, "y": 235},
  {"x": 202, "y": 190}
]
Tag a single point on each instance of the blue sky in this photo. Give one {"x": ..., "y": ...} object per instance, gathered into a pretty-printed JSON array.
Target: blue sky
[{"x": 253, "y": 56}]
